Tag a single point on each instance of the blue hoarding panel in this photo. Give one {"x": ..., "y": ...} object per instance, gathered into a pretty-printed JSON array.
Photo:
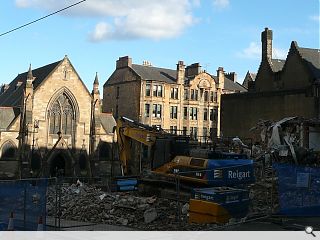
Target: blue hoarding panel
[
  {"x": 298, "y": 189},
  {"x": 26, "y": 200}
]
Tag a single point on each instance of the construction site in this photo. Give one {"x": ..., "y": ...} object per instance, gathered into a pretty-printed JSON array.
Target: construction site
[{"x": 168, "y": 182}]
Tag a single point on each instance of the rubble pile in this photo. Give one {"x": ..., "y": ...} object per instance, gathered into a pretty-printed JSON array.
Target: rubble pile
[
  {"x": 87, "y": 203},
  {"x": 290, "y": 140}
]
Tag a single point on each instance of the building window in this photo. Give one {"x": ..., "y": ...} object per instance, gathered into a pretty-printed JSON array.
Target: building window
[
  {"x": 213, "y": 96},
  {"x": 147, "y": 110},
  {"x": 194, "y": 94},
  {"x": 148, "y": 89},
  {"x": 185, "y": 112},
  {"x": 186, "y": 94},
  {"x": 205, "y": 132},
  {"x": 104, "y": 151},
  {"x": 205, "y": 114},
  {"x": 173, "y": 129},
  {"x": 117, "y": 111},
  {"x": 8, "y": 150},
  {"x": 213, "y": 114},
  {"x": 158, "y": 127},
  {"x": 156, "y": 111},
  {"x": 173, "y": 112},
  {"x": 193, "y": 113},
  {"x": 61, "y": 116},
  {"x": 206, "y": 96},
  {"x": 174, "y": 93},
  {"x": 193, "y": 132},
  {"x": 118, "y": 92},
  {"x": 184, "y": 131},
  {"x": 213, "y": 133},
  {"x": 157, "y": 90}
]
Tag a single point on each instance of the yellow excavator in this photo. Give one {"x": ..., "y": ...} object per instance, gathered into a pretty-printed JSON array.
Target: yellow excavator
[{"x": 169, "y": 155}]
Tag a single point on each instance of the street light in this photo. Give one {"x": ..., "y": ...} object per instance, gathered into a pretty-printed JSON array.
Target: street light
[{"x": 35, "y": 127}]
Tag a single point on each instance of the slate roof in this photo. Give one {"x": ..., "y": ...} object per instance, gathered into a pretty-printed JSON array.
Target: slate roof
[
  {"x": 169, "y": 76},
  {"x": 233, "y": 86},
  {"x": 12, "y": 97},
  {"x": 277, "y": 64},
  {"x": 155, "y": 73},
  {"x": 108, "y": 122},
  {"x": 312, "y": 59},
  {"x": 7, "y": 115}
]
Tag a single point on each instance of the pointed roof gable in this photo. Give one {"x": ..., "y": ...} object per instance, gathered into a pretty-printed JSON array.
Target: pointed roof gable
[
  {"x": 12, "y": 97},
  {"x": 7, "y": 116},
  {"x": 108, "y": 122},
  {"x": 312, "y": 59}
]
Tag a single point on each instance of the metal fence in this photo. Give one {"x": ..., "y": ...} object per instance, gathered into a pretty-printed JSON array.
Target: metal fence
[
  {"x": 23, "y": 204},
  {"x": 299, "y": 190}
]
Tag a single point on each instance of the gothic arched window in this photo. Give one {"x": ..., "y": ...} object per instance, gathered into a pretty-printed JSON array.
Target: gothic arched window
[
  {"x": 8, "y": 150},
  {"x": 104, "y": 150},
  {"x": 61, "y": 116}
]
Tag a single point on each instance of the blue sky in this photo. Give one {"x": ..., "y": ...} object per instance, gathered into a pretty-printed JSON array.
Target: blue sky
[{"x": 94, "y": 34}]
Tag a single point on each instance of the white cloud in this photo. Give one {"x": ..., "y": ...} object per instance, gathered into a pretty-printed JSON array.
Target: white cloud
[
  {"x": 123, "y": 19},
  {"x": 220, "y": 4},
  {"x": 22, "y": 3},
  {"x": 254, "y": 52},
  {"x": 251, "y": 52},
  {"x": 315, "y": 18}
]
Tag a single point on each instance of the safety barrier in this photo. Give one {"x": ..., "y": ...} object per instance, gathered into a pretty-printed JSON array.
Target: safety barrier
[
  {"x": 22, "y": 203},
  {"x": 299, "y": 190}
]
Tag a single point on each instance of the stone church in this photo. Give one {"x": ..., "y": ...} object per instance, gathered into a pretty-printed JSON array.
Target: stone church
[{"x": 51, "y": 124}]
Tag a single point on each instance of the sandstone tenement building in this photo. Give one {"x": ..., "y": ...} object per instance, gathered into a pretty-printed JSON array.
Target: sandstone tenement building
[
  {"x": 185, "y": 100},
  {"x": 50, "y": 122}
]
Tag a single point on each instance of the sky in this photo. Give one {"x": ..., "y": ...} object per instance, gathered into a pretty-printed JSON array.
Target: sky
[{"x": 95, "y": 33}]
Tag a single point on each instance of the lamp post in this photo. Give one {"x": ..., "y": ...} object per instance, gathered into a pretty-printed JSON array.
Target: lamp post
[{"x": 35, "y": 127}]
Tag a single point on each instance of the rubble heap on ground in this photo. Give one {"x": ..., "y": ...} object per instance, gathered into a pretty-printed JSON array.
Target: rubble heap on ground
[{"x": 86, "y": 203}]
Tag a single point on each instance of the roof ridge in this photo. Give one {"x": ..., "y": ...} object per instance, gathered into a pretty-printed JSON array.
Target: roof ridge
[
  {"x": 154, "y": 67},
  {"x": 310, "y": 48}
]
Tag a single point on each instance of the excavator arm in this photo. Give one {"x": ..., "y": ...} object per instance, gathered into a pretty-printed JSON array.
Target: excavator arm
[{"x": 128, "y": 130}]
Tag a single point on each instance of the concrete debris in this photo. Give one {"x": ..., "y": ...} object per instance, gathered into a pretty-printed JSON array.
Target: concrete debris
[
  {"x": 150, "y": 215},
  {"x": 185, "y": 208},
  {"x": 87, "y": 203},
  {"x": 290, "y": 140}
]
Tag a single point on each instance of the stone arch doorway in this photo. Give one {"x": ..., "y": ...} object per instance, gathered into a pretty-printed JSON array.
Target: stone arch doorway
[{"x": 60, "y": 165}]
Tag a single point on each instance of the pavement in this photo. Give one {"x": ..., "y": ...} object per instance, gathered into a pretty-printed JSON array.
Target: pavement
[
  {"x": 69, "y": 225},
  {"x": 263, "y": 224},
  {"x": 277, "y": 223}
]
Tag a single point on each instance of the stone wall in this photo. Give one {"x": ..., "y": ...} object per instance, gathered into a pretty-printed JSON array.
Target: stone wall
[{"x": 240, "y": 112}]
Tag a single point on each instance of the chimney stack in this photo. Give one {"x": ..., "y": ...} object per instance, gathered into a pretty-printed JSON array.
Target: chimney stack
[
  {"x": 124, "y": 62},
  {"x": 220, "y": 76},
  {"x": 180, "y": 72},
  {"x": 266, "y": 40},
  {"x": 193, "y": 70},
  {"x": 232, "y": 76}
]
